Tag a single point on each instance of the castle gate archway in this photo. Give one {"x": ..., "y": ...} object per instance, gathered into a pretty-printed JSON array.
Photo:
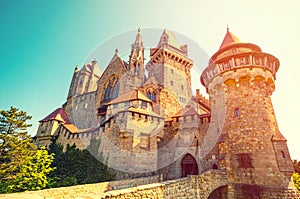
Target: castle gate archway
[
  {"x": 219, "y": 193},
  {"x": 189, "y": 166}
]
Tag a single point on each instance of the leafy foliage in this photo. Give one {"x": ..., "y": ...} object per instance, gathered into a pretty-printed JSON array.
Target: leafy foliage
[
  {"x": 76, "y": 166},
  {"x": 296, "y": 175},
  {"x": 34, "y": 172},
  {"x": 22, "y": 166},
  {"x": 296, "y": 179}
]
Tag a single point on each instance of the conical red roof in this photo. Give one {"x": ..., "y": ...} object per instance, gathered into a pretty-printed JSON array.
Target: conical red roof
[{"x": 229, "y": 39}]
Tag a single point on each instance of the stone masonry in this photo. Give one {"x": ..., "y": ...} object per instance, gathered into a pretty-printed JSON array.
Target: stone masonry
[{"x": 149, "y": 123}]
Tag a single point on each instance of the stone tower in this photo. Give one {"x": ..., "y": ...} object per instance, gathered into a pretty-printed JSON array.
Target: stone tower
[
  {"x": 136, "y": 61},
  {"x": 170, "y": 66},
  {"x": 240, "y": 80}
]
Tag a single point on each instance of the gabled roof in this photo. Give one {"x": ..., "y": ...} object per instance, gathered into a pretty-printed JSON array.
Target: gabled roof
[
  {"x": 229, "y": 39},
  {"x": 129, "y": 96},
  {"x": 59, "y": 115},
  {"x": 171, "y": 40},
  {"x": 117, "y": 57},
  {"x": 186, "y": 112}
]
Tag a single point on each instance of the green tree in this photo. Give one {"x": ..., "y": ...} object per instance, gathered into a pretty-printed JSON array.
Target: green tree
[
  {"x": 296, "y": 179},
  {"x": 18, "y": 154},
  {"x": 76, "y": 166},
  {"x": 33, "y": 174}
]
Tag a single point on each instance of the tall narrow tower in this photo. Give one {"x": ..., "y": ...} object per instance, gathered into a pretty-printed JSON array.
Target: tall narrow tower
[
  {"x": 136, "y": 61},
  {"x": 170, "y": 65},
  {"x": 251, "y": 147}
]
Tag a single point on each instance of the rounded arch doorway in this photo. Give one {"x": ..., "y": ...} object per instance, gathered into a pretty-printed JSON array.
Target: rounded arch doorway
[{"x": 189, "y": 166}]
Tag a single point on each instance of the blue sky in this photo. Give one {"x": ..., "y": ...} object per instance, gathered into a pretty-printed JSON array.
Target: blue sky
[{"x": 42, "y": 41}]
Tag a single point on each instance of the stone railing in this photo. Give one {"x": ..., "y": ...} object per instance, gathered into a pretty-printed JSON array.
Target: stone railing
[{"x": 261, "y": 60}]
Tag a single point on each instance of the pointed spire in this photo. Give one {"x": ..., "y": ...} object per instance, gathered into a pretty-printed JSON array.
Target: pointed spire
[
  {"x": 168, "y": 38},
  {"x": 138, "y": 39},
  {"x": 229, "y": 39},
  {"x": 76, "y": 69},
  {"x": 94, "y": 62},
  {"x": 116, "y": 51}
]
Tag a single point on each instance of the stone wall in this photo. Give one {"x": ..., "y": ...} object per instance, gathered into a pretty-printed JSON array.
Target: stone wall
[
  {"x": 82, "y": 191},
  {"x": 81, "y": 111},
  {"x": 211, "y": 184}
]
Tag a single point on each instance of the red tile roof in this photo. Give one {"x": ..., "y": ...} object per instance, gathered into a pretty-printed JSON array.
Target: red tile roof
[
  {"x": 229, "y": 39},
  {"x": 59, "y": 115},
  {"x": 129, "y": 96}
]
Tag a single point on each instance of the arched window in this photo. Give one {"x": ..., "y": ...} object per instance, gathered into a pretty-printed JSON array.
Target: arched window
[
  {"x": 116, "y": 89},
  {"x": 149, "y": 94},
  {"x": 107, "y": 92},
  {"x": 153, "y": 97},
  {"x": 282, "y": 154},
  {"x": 112, "y": 89}
]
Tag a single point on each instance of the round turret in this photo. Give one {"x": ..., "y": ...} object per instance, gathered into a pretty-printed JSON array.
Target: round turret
[{"x": 240, "y": 80}]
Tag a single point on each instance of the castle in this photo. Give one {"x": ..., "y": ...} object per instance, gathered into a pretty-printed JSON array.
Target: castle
[{"x": 153, "y": 124}]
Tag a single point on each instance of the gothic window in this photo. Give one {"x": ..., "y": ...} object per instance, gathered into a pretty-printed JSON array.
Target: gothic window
[
  {"x": 149, "y": 94},
  {"x": 107, "y": 92},
  {"x": 112, "y": 89},
  {"x": 116, "y": 90},
  {"x": 244, "y": 160},
  {"x": 153, "y": 97}
]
